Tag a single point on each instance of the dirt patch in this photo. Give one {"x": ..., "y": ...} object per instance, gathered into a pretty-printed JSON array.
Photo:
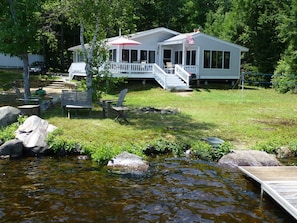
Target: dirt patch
[{"x": 184, "y": 94}]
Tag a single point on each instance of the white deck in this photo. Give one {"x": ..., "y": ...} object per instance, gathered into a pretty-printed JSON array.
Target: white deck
[{"x": 279, "y": 182}]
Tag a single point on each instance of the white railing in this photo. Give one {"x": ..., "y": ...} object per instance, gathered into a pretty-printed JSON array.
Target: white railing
[
  {"x": 184, "y": 75},
  {"x": 130, "y": 68},
  {"x": 160, "y": 76},
  {"x": 192, "y": 69}
]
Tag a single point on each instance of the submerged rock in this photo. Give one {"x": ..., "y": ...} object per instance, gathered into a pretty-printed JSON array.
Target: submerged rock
[
  {"x": 127, "y": 163},
  {"x": 248, "y": 158},
  {"x": 12, "y": 149}
]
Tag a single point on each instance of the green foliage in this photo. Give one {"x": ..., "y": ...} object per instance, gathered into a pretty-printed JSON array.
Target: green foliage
[
  {"x": 7, "y": 78},
  {"x": 293, "y": 147},
  {"x": 284, "y": 83},
  {"x": 202, "y": 150},
  {"x": 165, "y": 146},
  {"x": 58, "y": 143},
  {"x": 7, "y": 133},
  {"x": 268, "y": 146},
  {"x": 205, "y": 151}
]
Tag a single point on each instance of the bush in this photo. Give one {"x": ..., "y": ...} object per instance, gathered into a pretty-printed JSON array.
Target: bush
[
  {"x": 164, "y": 146},
  {"x": 205, "y": 151},
  {"x": 7, "y": 133},
  {"x": 285, "y": 83}
]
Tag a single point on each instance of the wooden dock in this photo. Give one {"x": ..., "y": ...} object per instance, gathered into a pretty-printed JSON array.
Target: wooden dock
[{"x": 279, "y": 182}]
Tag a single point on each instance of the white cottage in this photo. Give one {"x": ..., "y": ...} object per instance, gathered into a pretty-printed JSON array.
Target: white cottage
[{"x": 171, "y": 58}]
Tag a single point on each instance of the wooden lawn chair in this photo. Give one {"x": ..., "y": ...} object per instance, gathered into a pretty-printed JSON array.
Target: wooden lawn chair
[
  {"x": 30, "y": 100},
  {"x": 119, "y": 108}
]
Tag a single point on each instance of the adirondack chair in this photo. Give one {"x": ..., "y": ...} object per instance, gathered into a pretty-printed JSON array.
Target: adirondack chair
[
  {"x": 30, "y": 100},
  {"x": 118, "y": 107}
]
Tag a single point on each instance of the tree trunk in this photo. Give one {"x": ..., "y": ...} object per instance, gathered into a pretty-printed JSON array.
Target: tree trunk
[
  {"x": 26, "y": 75},
  {"x": 89, "y": 58}
]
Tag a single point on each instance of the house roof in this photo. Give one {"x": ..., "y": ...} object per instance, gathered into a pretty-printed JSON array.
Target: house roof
[
  {"x": 78, "y": 47},
  {"x": 181, "y": 38},
  {"x": 146, "y": 33},
  {"x": 132, "y": 36}
]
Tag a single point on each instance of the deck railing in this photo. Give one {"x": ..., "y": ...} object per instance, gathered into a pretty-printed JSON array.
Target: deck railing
[
  {"x": 192, "y": 69},
  {"x": 184, "y": 75},
  {"x": 117, "y": 68},
  {"x": 160, "y": 76}
]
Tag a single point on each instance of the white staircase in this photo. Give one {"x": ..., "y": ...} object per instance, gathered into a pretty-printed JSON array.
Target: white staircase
[{"x": 174, "y": 82}]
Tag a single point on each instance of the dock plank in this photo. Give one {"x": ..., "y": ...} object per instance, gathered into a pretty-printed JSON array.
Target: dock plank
[{"x": 279, "y": 182}]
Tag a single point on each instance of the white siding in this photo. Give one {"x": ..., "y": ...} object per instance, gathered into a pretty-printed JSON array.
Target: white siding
[{"x": 6, "y": 61}]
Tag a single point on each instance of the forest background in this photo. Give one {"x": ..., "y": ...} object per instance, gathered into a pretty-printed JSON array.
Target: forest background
[{"x": 267, "y": 27}]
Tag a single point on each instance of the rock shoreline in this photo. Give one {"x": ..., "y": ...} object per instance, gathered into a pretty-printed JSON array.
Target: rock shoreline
[{"x": 31, "y": 138}]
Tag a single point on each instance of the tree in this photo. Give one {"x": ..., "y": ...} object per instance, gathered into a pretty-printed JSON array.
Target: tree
[
  {"x": 285, "y": 78},
  {"x": 251, "y": 23},
  {"x": 19, "y": 32},
  {"x": 93, "y": 17}
]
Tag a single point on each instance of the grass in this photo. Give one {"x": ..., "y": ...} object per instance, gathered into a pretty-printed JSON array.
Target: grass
[{"x": 249, "y": 119}]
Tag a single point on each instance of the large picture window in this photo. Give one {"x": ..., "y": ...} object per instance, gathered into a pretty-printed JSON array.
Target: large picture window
[{"x": 216, "y": 59}]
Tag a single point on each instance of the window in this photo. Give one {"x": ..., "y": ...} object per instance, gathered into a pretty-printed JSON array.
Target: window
[
  {"x": 125, "y": 56},
  {"x": 152, "y": 57},
  {"x": 178, "y": 57},
  {"x": 134, "y": 56},
  {"x": 188, "y": 58},
  {"x": 216, "y": 59},
  {"x": 226, "y": 60},
  {"x": 191, "y": 57},
  {"x": 206, "y": 59},
  {"x": 143, "y": 55},
  {"x": 167, "y": 56},
  {"x": 112, "y": 55}
]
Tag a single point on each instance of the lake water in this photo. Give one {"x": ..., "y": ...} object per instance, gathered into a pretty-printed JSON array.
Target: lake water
[{"x": 175, "y": 190}]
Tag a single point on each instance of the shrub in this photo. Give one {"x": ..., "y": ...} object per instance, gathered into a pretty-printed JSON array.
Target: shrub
[
  {"x": 202, "y": 150},
  {"x": 285, "y": 83},
  {"x": 7, "y": 133},
  {"x": 164, "y": 146},
  {"x": 205, "y": 151}
]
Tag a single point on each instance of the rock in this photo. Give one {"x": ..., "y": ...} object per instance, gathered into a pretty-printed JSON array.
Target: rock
[
  {"x": 284, "y": 152},
  {"x": 213, "y": 141},
  {"x": 12, "y": 148},
  {"x": 248, "y": 158},
  {"x": 127, "y": 163},
  {"x": 8, "y": 115},
  {"x": 33, "y": 133}
]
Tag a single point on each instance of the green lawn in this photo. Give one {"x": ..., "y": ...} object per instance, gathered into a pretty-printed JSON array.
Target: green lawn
[{"x": 255, "y": 118}]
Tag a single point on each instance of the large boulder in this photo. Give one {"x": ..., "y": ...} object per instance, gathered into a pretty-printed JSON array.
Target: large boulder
[
  {"x": 12, "y": 148},
  {"x": 33, "y": 133},
  {"x": 249, "y": 158},
  {"x": 127, "y": 163},
  {"x": 8, "y": 115}
]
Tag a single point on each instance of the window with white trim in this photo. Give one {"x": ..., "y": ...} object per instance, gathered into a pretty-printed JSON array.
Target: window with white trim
[{"x": 216, "y": 59}]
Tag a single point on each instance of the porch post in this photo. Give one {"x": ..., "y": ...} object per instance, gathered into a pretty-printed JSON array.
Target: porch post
[
  {"x": 160, "y": 57},
  {"x": 184, "y": 53},
  {"x": 118, "y": 54}
]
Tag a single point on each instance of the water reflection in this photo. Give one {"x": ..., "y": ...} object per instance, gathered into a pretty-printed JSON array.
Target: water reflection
[{"x": 175, "y": 190}]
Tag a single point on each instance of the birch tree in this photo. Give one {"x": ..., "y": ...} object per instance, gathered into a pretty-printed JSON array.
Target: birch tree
[{"x": 93, "y": 17}]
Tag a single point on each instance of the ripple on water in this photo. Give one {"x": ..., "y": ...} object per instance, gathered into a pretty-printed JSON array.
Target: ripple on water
[{"x": 175, "y": 190}]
